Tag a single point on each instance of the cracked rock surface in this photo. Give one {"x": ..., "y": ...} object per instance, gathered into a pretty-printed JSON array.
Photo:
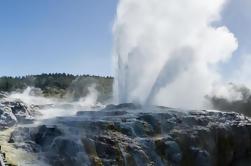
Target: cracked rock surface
[{"x": 128, "y": 134}]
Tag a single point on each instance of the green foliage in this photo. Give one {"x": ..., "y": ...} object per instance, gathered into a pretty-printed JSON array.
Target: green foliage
[{"x": 60, "y": 85}]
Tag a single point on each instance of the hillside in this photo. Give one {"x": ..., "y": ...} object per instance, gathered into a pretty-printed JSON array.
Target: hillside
[{"x": 60, "y": 85}]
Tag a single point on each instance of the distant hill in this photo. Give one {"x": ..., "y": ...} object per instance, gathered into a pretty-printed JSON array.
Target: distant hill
[{"x": 60, "y": 85}]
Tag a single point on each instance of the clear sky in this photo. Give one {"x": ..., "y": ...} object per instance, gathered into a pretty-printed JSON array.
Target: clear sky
[
  {"x": 75, "y": 36},
  {"x": 72, "y": 36},
  {"x": 237, "y": 17}
]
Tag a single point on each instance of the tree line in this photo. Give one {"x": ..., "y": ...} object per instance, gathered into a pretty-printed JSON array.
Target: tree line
[{"x": 59, "y": 84}]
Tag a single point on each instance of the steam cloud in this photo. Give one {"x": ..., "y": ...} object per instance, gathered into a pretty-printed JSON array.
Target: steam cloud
[
  {"x": 32, "y": 96},
  {"x": 167, "y": 52},
  {"x": 55, "y": 107},
  {"x": 231, "y": 97},
  {"x": 91, "y": 98}
]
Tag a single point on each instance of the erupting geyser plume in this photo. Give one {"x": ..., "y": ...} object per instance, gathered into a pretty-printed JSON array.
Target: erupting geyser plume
[{"x": 167, "y": 52}]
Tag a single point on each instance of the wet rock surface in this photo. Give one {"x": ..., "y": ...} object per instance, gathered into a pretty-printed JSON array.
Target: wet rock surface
[
  {"x": 131, "y": 135},
  {"x": 3, "y": 95},
  {"x": 13, "y": 112}
]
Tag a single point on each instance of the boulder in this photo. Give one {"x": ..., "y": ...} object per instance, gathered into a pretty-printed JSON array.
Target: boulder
[
  {"x": 7, "y": 118},
  {"x": 16, "y": 111}
]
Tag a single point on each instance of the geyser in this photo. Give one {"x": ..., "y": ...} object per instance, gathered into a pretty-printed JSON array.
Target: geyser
[{"x": 167, "y": 52}]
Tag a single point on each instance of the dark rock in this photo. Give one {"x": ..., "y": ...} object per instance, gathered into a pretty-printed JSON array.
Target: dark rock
[
  {"x": 45, "y": 136},
  {"x": 21, "y": 111},
  {"x": 23, "y": 138},
  {"x": 3, "y": 95},
  {"x": 7, "y": 118},
  {"x": 134, "y": 136},
  {"x": 13, "y": 112},
  {"x": 65, "y": 151},
  {"x": 124, "y": 106}
]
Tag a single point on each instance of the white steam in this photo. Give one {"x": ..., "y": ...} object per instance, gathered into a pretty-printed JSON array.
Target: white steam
[
  {"x": 167, "y": 52},
  {"x": 91, "y": 98},
  {"x": 54, "y": 107},
  {"x": 230, "y": 92},
  {"x": 32, "y": 96}
]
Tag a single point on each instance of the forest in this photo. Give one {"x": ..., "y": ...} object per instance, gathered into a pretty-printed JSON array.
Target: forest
[{"x": 60, "y": 84}]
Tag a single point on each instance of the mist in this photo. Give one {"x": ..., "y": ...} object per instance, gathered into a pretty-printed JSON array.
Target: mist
[
  {"x": 231, "y": 97},
  {"x": 149, "y": 35},
  {"x": 91, "y": 99},
  {"x": 32, "y": 96},
  {"x": 51, "y": 107}
]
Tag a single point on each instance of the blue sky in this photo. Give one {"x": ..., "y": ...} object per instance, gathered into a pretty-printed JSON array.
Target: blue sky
[
  {"x": 41, "y": 36},
  {"x": 237, "y": 17}
]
